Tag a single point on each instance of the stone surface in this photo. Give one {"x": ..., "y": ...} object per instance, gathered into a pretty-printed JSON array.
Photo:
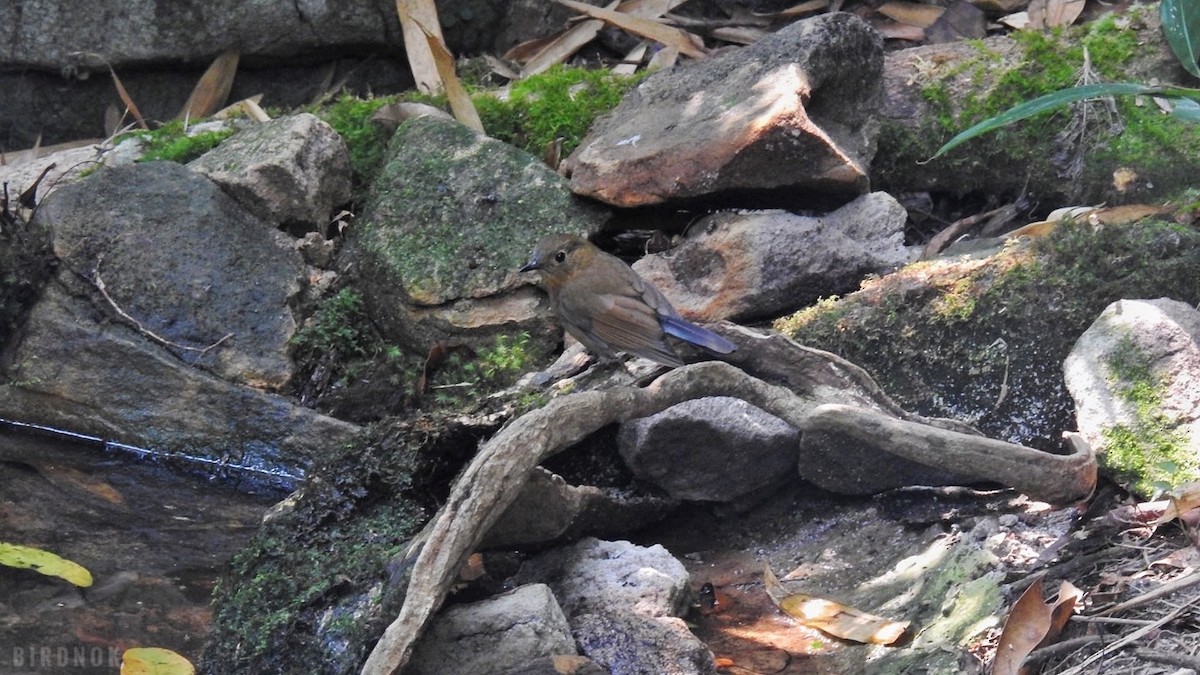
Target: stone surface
[
  {"x": 710, "y": 449},
  {"x": 746, "y": 265},
  {"x": 183, "y": 260},
  {"x": 790, "y": 114},
  {"x": 595, "y": 576},
  {"x": 1164, "y": 336},
  {"x": 495, "y": 635},
  {"x": 629, "y": 643},
  {"x": 452, "y": 217},
  {"x": 549, "y": 508},
  {"x": 292, "y": 171}
]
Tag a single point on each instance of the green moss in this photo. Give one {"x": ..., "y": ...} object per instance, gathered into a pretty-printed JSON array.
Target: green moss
[
  {"x": 1149, "y": 454},
  {"x": 469, "y": 375},
  {"x": 338, "y": 325},
  {"x": 366, "y": 140},
  {"x": 171, "y": 142},
  {"x": 557, "y": 105}
]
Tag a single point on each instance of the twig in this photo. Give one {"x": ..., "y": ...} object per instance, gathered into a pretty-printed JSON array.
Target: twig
[
  {"x": 1132, "y": 637},
  {"x": 1059, "y": 649},
  {"x": 1168, "y": 658},
  {"x": 1150, "y": 596},
  {"x": 98, "y": 282}
]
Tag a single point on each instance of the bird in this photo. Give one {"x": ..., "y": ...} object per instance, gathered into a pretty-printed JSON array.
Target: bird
[{"x": 609, "y": 308}]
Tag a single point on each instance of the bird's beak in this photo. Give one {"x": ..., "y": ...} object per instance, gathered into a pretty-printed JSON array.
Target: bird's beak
[{"x": 533, "y": 264}]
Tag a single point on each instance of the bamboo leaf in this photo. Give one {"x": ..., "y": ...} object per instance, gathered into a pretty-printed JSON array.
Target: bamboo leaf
[
  {"x": 1057, "y": 100},
  {"x": 213, "y": 88},
  {"x": 1181, "y": 26},
  {"x": 154, "y": 661}
]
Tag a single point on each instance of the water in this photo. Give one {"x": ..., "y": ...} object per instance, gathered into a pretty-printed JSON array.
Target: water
[{"x": 155, "y": 538}]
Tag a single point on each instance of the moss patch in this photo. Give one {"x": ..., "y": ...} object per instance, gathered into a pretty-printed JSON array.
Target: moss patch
[
  {"x": 1002, "y": 369},
  {"x": 171, "y": 142},
  {"x": 1149, "y": 455}
]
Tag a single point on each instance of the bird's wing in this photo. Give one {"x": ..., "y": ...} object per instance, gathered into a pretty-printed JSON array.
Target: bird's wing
[{"x": 630, "y": 325}]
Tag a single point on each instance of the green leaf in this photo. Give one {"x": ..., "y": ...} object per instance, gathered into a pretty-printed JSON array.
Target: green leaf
[
  {"x": 44, "y": 562},
  {"x": 1058, "y": 99},
  {"x": 1181, "y": 26},
  {"x": 1186, "y": 109},
  {"x": 154, "y": 661}
]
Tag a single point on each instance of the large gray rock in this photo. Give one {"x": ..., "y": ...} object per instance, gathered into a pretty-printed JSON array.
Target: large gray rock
[
  {"x": 182, "y": 259},
  {"x": 629, "y": 643},
  {"x": 710, "y": 449},
  {"x": 452, "y": 216},
  {"x": 1135, "y": 378},
  {"x": 742, "y": 265},
  {"x": 169, "y": 315},
  {"x": 292, "y": 171},
  {"x": 792, "y": 113},
  {"x": 495, "y": 635}
]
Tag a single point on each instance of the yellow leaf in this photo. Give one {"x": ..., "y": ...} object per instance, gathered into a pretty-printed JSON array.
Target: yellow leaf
[
  {"x": 417, "y": 19},
  {"x": 154, "y": 661},
  {"x": 460, "y": 100},
  {"x": 832, "y": 617},
  {"x": 44, "y": 562}
]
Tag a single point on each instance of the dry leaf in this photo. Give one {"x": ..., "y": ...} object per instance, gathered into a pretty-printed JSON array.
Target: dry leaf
[
  {"x": 1032, "y": 623},
  {"x": 1181, "y": 500},
  {"x": 460, "y": 101},
  {"x": 127, "y": 100},
  {"x": 685, "y": 42},
  {"x": 562, "y": 47},
  {"x": 629, "y": 64},
  {"x": 911, "y": 13},
  {"x": 899, "y": 31},
  {"x": 417, "y": 18},
  {"x": 960, "y": 20},
  {"x": 796, "y": 10},
  {"x": 1054, "y": 13},
  {"x": 739, "y": 35},
  {"x": 831, "y": 617},
  {"x": 212, "y": 89},
  {"x": 663, "y": 59},
  {"x": 247, "y": 107}
]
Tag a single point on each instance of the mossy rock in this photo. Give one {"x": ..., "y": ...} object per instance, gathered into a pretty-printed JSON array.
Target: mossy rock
[
  {"x": 451, "y": 218},
  {"x": 1055, "y": 158},
  {"x": 984, "y": 340}
]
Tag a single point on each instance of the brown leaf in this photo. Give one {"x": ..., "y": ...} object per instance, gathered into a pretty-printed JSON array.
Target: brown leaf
[
  {"x": 1182, "y": 499},
  {"x": 417, "y": 18},
  {"x": 460, "y": 101},
  {"x": 247, "y": 107},
  {"x": 1053, "y": 13},
  {"x": 127, "y": 99},
  {"x": 213, "y": 88},
  {"x": 796, "y": 10},
  {"x": 685, "y": 42},
  {"x": 911, "y": 13},
  {"x": 831, "y": 617},
  {"x": 1032, "y": 623}
]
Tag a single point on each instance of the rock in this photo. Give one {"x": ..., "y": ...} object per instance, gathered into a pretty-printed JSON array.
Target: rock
[
  {"x": 65, "y": 165},
  {"x": 77, "y": 369},
  {"x": 292, "y": 171},
  {"x": 741, "y": 265},
  {"x": 595, "y": 576},
  {"x": 452, "y": 216},
  {"x": 128, "y": 342},
  {"x": 629, "y": 643},
  {"x": 710, "y": 449},
  {"x": 622, "y": 601},
  {"x": 548, "y": 508},
  {"x": 1135, "y": 375},
  {"x": 792, "y": 113},
  {"x": 496, "y": 635},
  {"x": 182, "y": 259}
]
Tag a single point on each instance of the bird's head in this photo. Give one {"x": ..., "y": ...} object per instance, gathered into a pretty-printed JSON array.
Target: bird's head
[{"x": 559, "y": 257}]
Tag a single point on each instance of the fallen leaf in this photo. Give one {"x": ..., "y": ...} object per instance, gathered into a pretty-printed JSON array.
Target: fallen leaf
[
  {"x": 417, "y": 17},
  {"x": 154, "y": 661},
  {"x": 212, "y": 89},
  {"x": 911, "y": 13},
  {"x": 796, "y": 10},
  {"x": 247, "y": 107},
  {"x": 1180, "y": 500},
  {"x": 685, "y": 42},
  {"x": 460, "y": 101},
  {"x": 1053, "y": 13},
  {"x": 127, "y": 99},
  {"x": 1031, "y": 623},
  {"x": 44, "y": 562},
  {"x": 831, "y": 617}
]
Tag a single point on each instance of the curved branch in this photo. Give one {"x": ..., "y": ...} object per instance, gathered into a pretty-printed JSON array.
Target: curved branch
[{"x": 494, "y": 477}]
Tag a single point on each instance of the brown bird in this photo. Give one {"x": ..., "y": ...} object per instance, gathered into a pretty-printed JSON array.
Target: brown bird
[{"x": 608, "y": 307}]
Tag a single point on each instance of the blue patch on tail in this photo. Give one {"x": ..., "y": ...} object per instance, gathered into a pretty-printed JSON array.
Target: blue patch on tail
[{"x": 701, "y": 337}]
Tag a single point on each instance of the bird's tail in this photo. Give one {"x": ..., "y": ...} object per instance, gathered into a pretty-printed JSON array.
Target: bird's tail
[{"x": 701, "y": 337}]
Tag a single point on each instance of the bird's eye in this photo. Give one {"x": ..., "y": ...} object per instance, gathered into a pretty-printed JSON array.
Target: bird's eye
[{"x": 560, "y": 256}]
